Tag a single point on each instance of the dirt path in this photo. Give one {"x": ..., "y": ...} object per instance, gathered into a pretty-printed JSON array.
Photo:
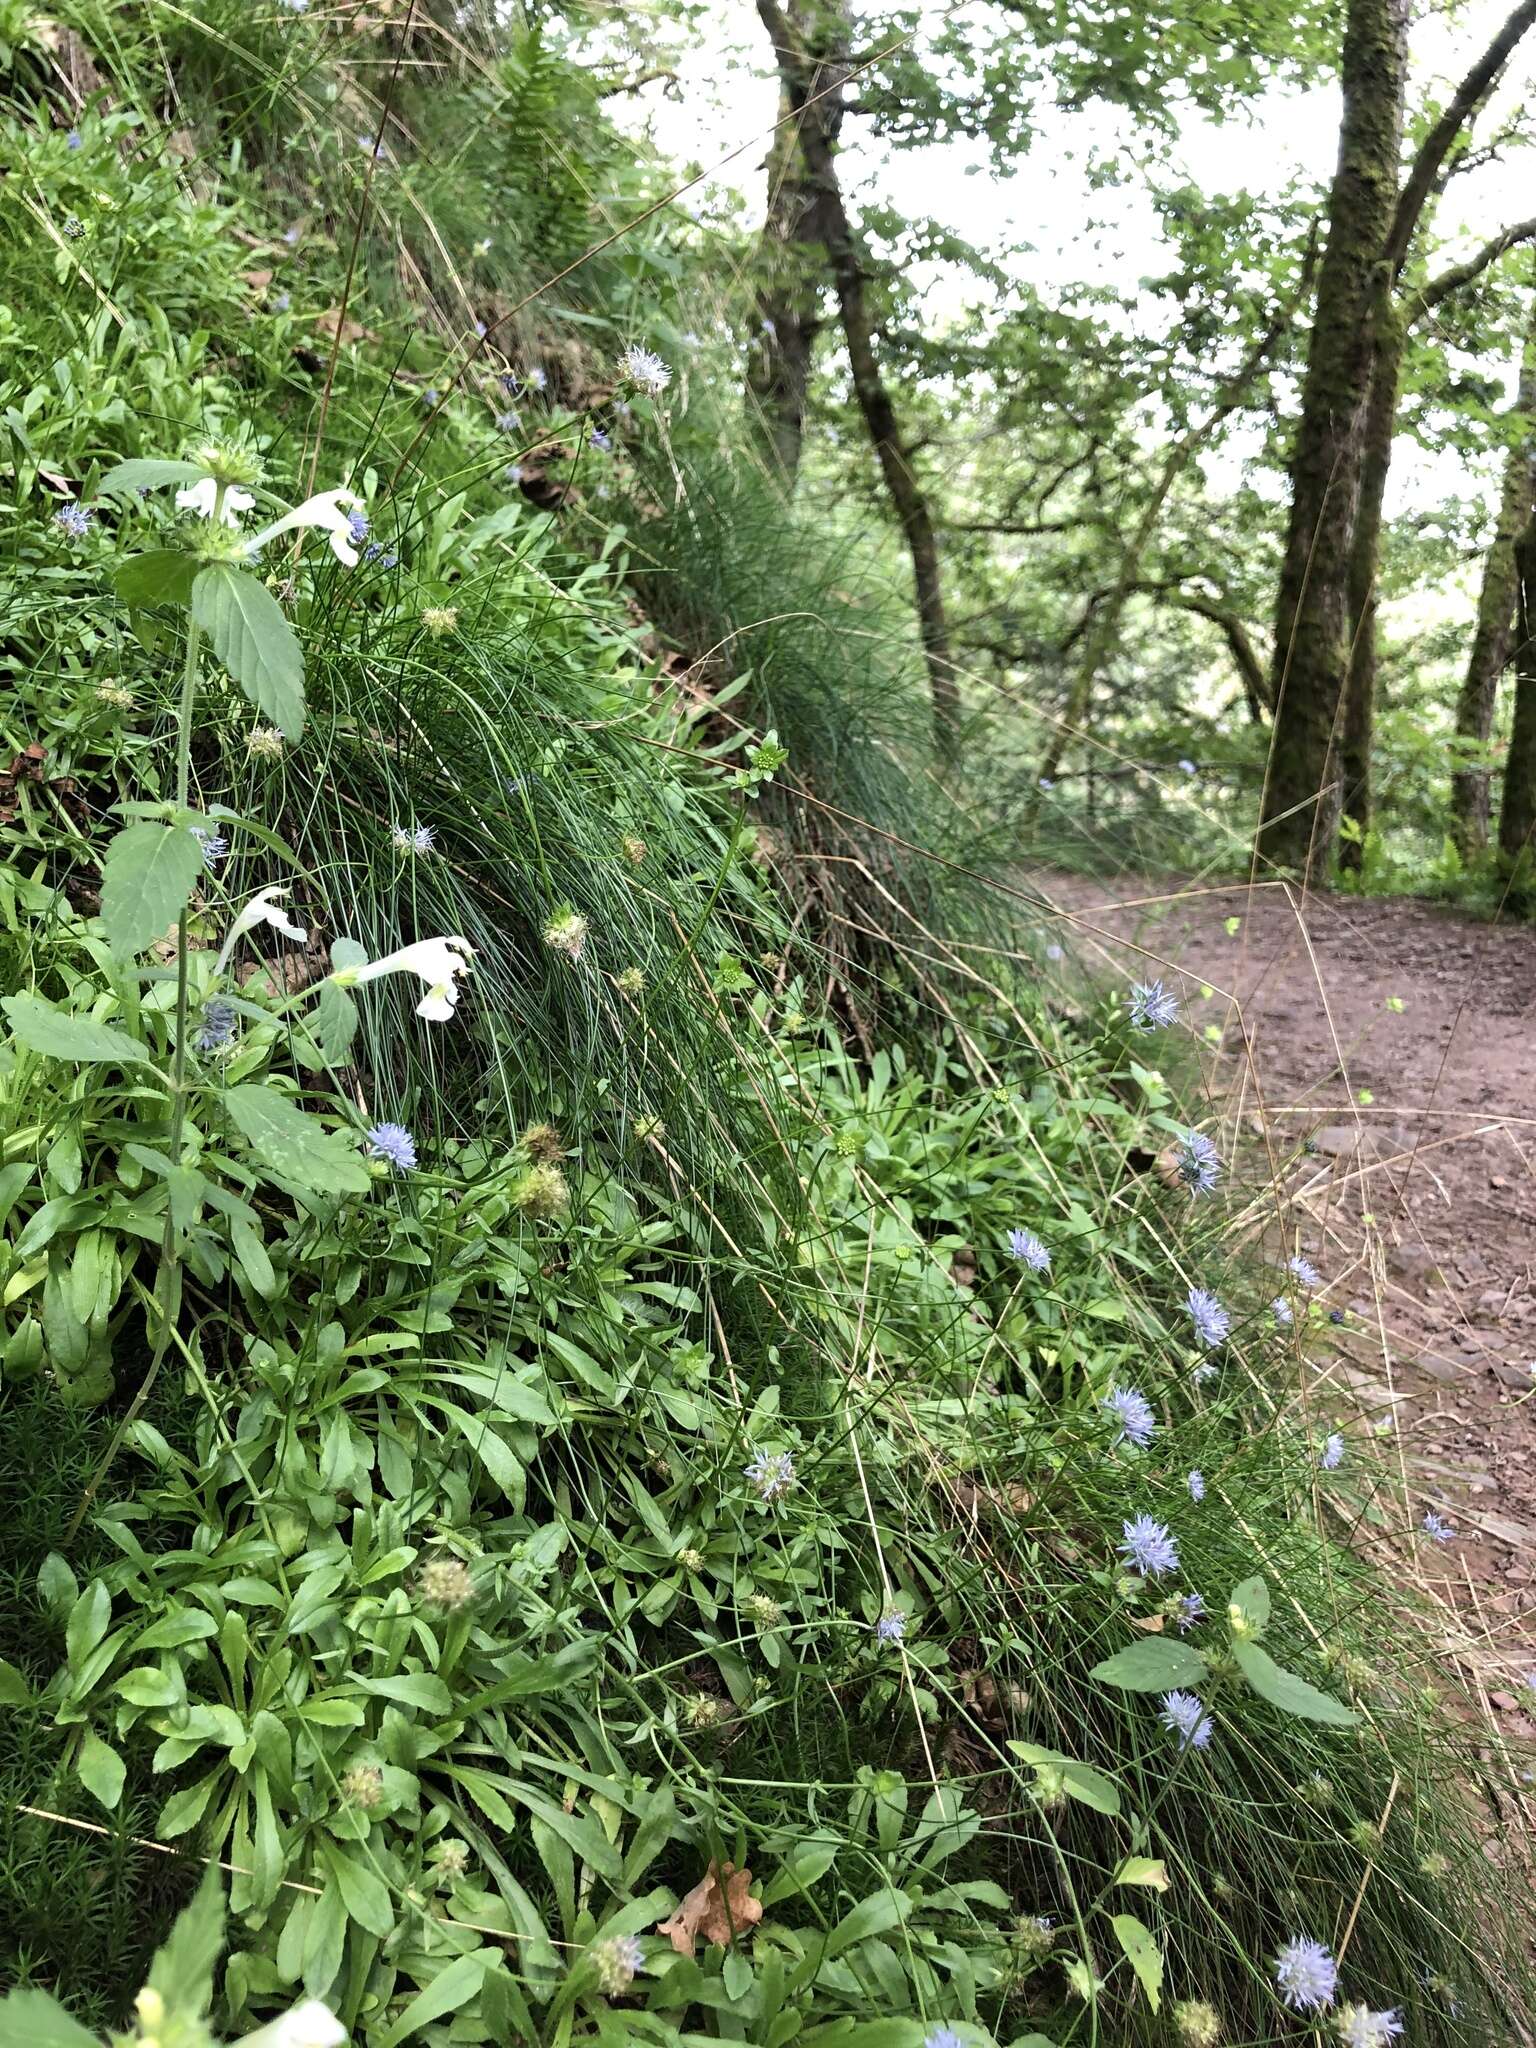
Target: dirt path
[{"x": 1419, "y": 1201}]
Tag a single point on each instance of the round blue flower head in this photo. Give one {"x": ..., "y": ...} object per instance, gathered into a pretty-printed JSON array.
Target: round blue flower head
[
  {"x": 1191, "y": 1612},
  {"x": 72, "y": 139},
  {"x": 1307, "y": 1975},
  {"x": 1197, "y": 1163},
  {"x": 1154, "y": 1006},
  {"x": 1029, "y": 1250},
  {"x": 1185, "y": 1716},
  {"x": 507, "y": 422},
  {"x": 74, "y": 519},
  {"x": 394, "y": 1143},
  {"x": 772, "y": 1473},
  {"x": 942, "y": 2037},
  {"x": 892, "y": 1626},
  {"x": 646, "y": 369},
  {"x": 602, "y": 442},
  {"x": 1359, "y": 2027},
  {"x": 1134, "y": 1413},
  {"x": 1053, "y": 953},
  {"x": 1280, "y": 1309},
  {"x": 1148, "y": 1547},
  {"x": 1211, "y": 1321},
  {"x": 1331, "y": 1456},
  {"x": 218, "y": 1027},
  {"x": 1438, "y": 1528},
  {"x": 1304, "y": 1271},
  {"x": 616, "y": 1960},
  {"x": 1196, "y": 1484},
  {"x": 357, "y": 527},
  {"x": 214, "y": 847},
  {"x": 1188, "y": 766}
]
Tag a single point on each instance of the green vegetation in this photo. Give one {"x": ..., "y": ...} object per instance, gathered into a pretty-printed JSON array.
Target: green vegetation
[{"x": 602, "y": 1404}]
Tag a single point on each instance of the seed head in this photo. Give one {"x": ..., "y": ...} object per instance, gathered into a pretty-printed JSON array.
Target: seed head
[
  {"x": 544, "y": 1143},
  {"x": 542, "y": 1192},
  {"x": 703, "y": 1711},
  {"x": 118, "y": 695},
  {"x": 440, "y": 619},
  {"x": 566, "y": 933},
  {"x": 264, "y": 743},
  {"x": 616, "y": 1961},
  {"x": 1197, "y": 2024},
  {"x": 363, "y": 1786},
  {"x": 766, "y": 1612},
  {"x": 445, "y": 1582},
  {"x": 634, "y": 849},
  {"x": 629, "y": 981},
  {"x": 690, "y": 1559}
]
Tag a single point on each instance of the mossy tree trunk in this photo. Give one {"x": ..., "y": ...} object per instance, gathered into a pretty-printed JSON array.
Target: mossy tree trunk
[
  {"x": 1359, "y": 723},
  {"x": 798, "y": 70},
  {"x": 1517, "y": 814},
  {"x": 1312, "y": 614},
  {"x": 1494, "y": 635}
]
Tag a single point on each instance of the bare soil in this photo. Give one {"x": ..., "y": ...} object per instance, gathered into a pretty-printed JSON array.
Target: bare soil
[{"x": 1417, "y": 1200}]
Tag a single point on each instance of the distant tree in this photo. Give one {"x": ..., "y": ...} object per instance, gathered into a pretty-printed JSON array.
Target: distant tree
[{"x": 1517, "y": 815}]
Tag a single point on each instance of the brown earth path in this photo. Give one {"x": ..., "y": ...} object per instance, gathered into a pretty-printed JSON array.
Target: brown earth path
[{"x": 1418, "y": 1203}]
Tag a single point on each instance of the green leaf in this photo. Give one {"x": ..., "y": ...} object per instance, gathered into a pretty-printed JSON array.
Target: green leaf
[
  {"x": 182, "y": 1971},
  {"x": 14, "y": 1690},
  {"x": 411, "y": 1689},
  {"x": 161, "y": 576},
  {"x": 254, "y": 641},
  {"x": 1145, "y": 1957},
  {"x": 1285, "y": 1690},
  {"x": 146, "y": 879},
  {"x": 41, "y": 1027},
  {"x": 1079, "y": 1781},
  {"x": 87, "y": 1623},
  {"x": 297, "y": 1147},
  {"x": 184, "y": 1810},
  {"x": 365, "y": 1896},
  {"x": 33, "y": 2018},
  {"x": 101, "y": 1769},
  {"x": 1251, "y": 1599},
  {"x": 1153, "y": 1665},
  {"x": 1145, "y": 1870},
  {"x": 145, "y": 474},
  {"x": 449, "y": 1989}
]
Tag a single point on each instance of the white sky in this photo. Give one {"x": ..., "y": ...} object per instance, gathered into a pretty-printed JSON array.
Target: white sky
[{"x": 727, "y": 91}]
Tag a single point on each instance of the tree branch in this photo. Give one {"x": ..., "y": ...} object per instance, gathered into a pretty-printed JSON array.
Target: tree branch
[
  {"x": 1436, "y": 146},
  {"x": 1453, "y": 279}
]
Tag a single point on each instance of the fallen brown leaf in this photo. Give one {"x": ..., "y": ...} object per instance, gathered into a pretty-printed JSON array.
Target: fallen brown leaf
[{"x": 719, "y": 1906}]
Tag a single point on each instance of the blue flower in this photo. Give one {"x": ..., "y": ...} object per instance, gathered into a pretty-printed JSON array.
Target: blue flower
[
  {"x": 1149, "y": 1547},
  {"x": 1198, "y": 1163},
  {"x": 214, "y": 846},
  {"x": 1331, "y": 1456},
  {"x": 218, "y": 1027},
  {"x": 507, "y": 422},
  {"x": 892, "y": 1626},
  {"x": 75, "y": 520},
  {"x": 645, "y": 369},
  {"x": 1047, "y": 784},
  {"x": 1191, "y": 1611},
  {"x": 1053, "y": 953},
  {"x": 1280, "y": 1309},
  {"x": 536, "y": 379},
  {"x": 1438, "y": 1528},
  {"x": 1027, "y": 1248},
  {"x": 412, "y": 839},
  {"x": 1196, "y": 1484},
  {"x": 1188, "y": 766},
  {"x": 1304, "y": 1271},
  {"x": 942, "y": 2037},
  {"x": 1335, "y": 1315},
  {"x": 481, "y": 330},
  {"x": 1134, "y": 1413},
  {"x": 394, "y": 1143},
  {"x": 1153, "y": 1006},
  {"x": 1306, "y": 1974},
  {"x": 431, "y": 396},
  {"x": 1359, "y": 2027},
  {"x": 1211, "y": 1321},
  {"x": 772, "y": 1473},
  {"x": 357, "y": 527},
  {"x": 377, "y": 552},
  {"x": 1185, "y": 1716},
  {"x": 281, "y": 303},
  {"x": 602, "y": 442},
  {"x": 513, "y": 472},
  {"x": 72, "y": 139}
]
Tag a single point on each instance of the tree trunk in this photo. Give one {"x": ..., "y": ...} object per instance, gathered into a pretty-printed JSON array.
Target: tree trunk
[
  {"x": 1495, "y": 618},
  {"x": 797, "y": 70},
  {"x": 789, "y": 260},
  {"x": 1364, "y": 573},
  {"x": 1312, "y": 623},
  {"x": 1517, "y": 815}
]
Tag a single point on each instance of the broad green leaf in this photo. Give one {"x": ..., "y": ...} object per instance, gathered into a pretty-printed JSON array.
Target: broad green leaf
[
  {"x": 296, "y": 1146},
  {"x": 250, "y": 635},
  {"x": 14, "y": 1690},
  {"x": 877, "y": 1914},
  {"x": 1145, "y": 1957},
  {"x": 184, "y": 1810},
  {"x": 41, "y": 1027},
  {"x": 101, "y": 1769},
  {"x": 365, "y": 1896},
  {"x": 87, "y": 1623},
  {"x": 182, "y": 1971},
  {"x": 1145, "y": 1870},
  {"x": 1251, "y": 1600},
  {"x": 1285, "y": 1690},
  {"x": 149, "y": 873},
  {"x": 1079, "y": 1781},
  {"x": 449, "y": 1989},
  {"x": 161, "y": 576},
  {"x": 411, "y": 1689},
  {"x": 34, "y": 2019},
  {"x": 145, "y": 474},
  {"x": 1154, "y": 1665}
]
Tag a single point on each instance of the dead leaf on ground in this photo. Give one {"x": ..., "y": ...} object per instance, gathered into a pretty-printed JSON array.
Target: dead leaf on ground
[
  {"x": 719, "y": 1906},
  {"x": 351, "y": 330},
  {"x": 258, "y": 280}
]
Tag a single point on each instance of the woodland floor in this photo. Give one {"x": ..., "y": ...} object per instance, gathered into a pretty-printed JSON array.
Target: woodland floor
[{"x": 1418, "y": 1204}]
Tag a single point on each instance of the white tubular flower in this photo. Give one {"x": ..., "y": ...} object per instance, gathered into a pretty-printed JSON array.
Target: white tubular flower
[
  {"x": 439, "y": 963},
  {"x": 200, "y": 497},
  {"x": 326, "y": 512},
  {"x": 263, "y": 908},
  {"x": 311, "y": 2024}
]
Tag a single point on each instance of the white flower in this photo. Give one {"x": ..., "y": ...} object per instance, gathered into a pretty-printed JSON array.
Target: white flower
[
  {"x": 264, "y": 908},
  {"x": 439, "y": 962},
  {"x": 309, "y": 2025},
  {"x": 199, "y": 498},
  {"x": 324, "y": 511}
]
